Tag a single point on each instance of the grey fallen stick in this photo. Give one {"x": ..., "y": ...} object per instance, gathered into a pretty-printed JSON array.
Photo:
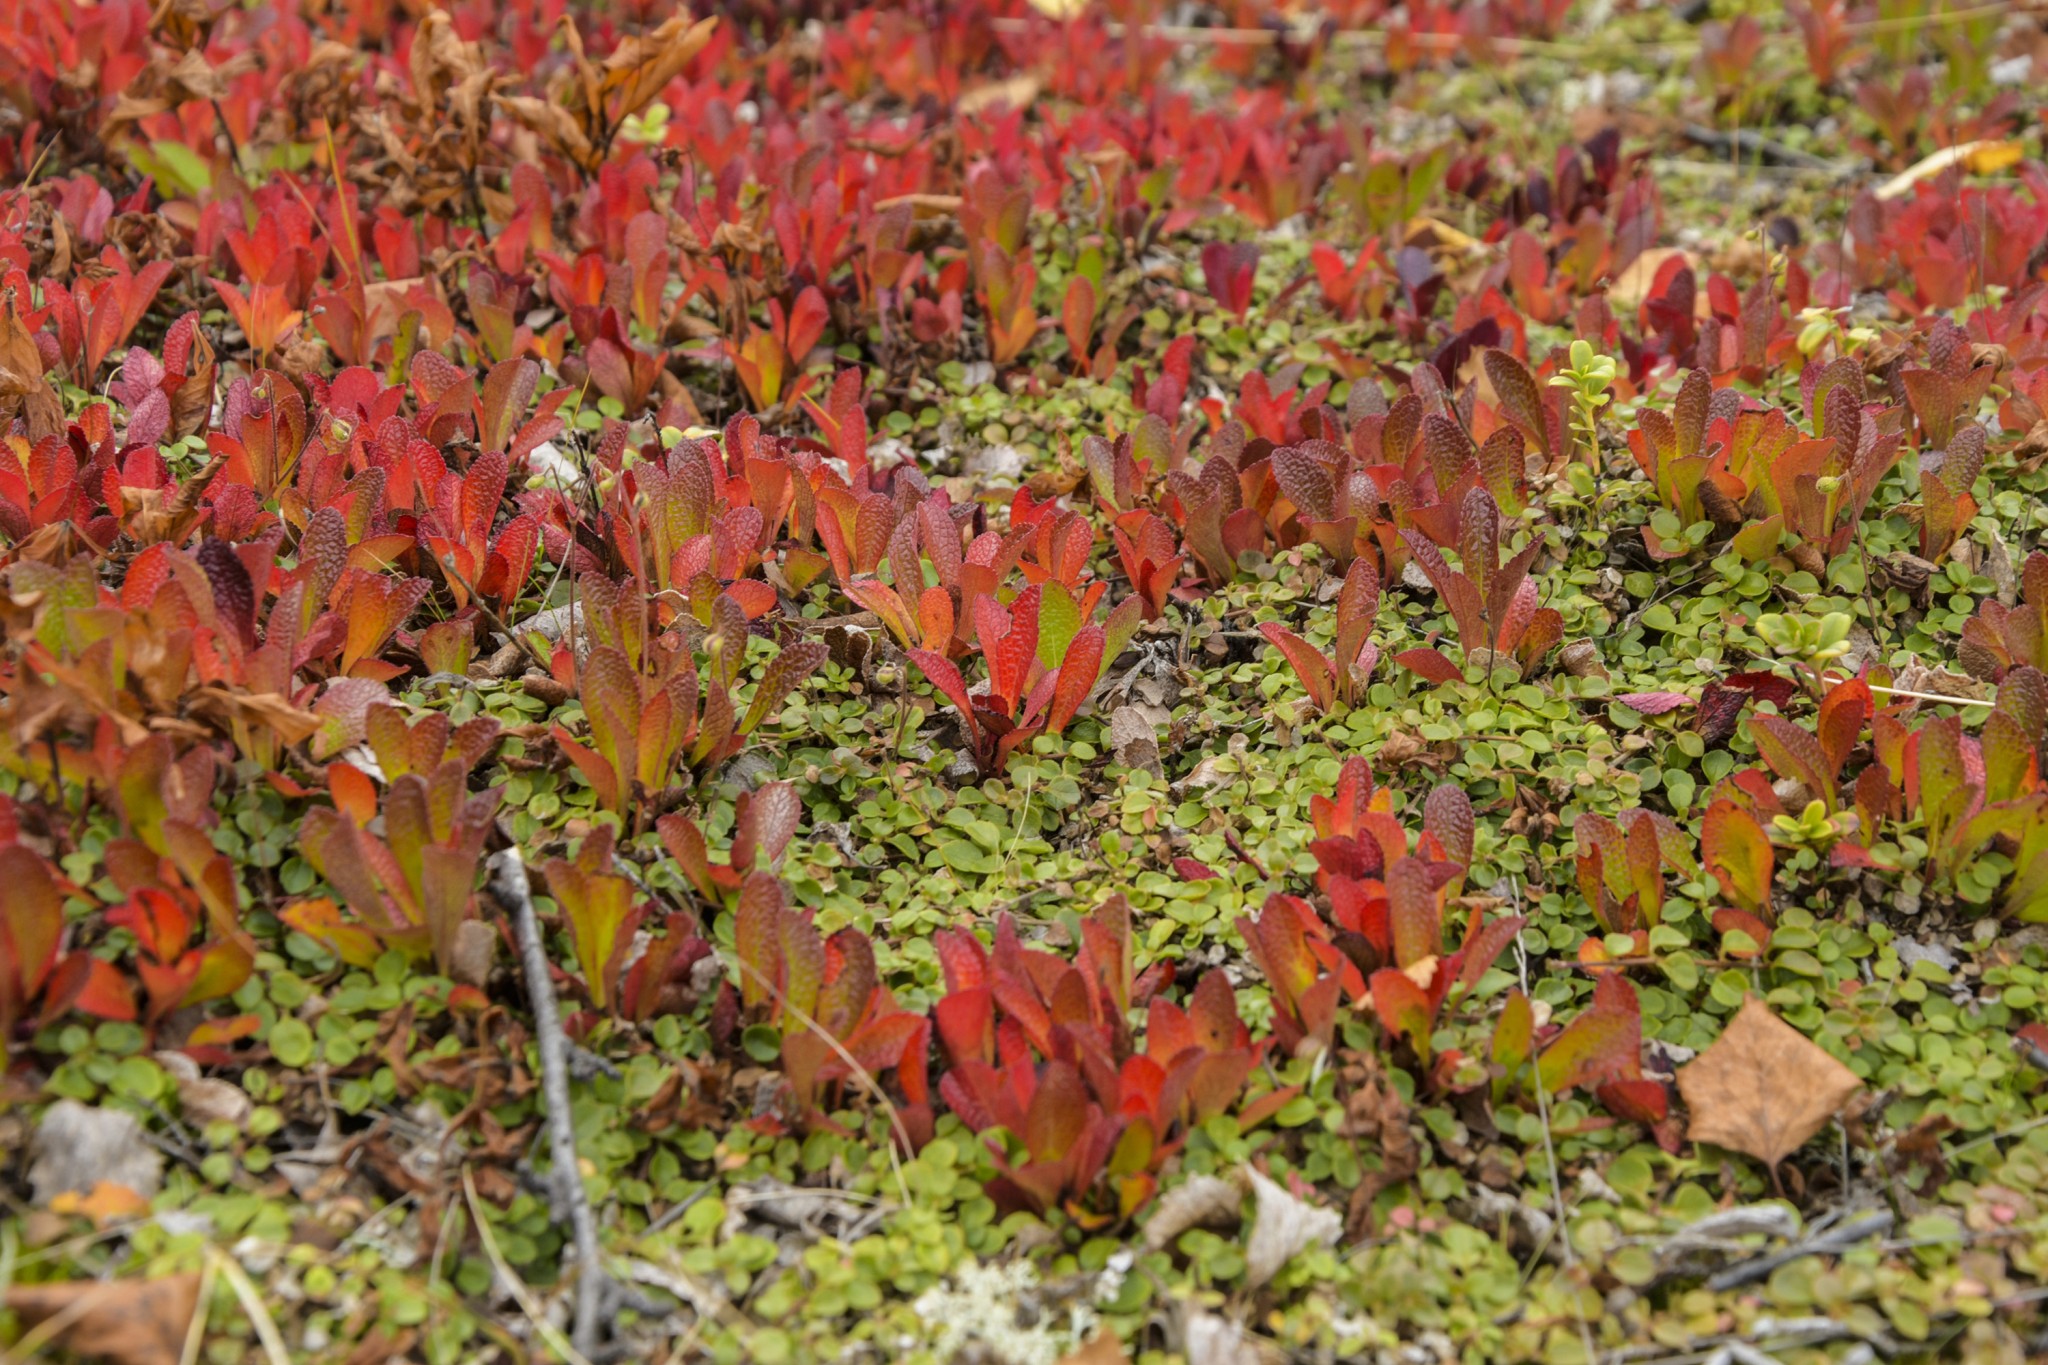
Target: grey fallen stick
[
  {"x": 509, "y": 885},
  {"x": 1835, "y": 1239}
]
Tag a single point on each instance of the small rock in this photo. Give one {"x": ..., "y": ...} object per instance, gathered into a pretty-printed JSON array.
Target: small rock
[
  {"x": 552, "y": 624},
  {"x": 1912, "y": 951},
  {"x": 997, "y": 463},
  {"x": 547, "y": 462},
  {"x": 749, "y": 769},
  {"x": 1135, "y": 741},
  {"x": 2012, "y": 70},
  {"x": 80, "y": 1146},
  {"x": 476, "y": 946}
]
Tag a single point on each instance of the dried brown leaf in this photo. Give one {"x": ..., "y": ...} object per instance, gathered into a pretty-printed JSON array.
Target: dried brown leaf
[
  {"x": 1012, "y": 92},
  {"x": 268, "y": 709},
  {"x": 1763, "y": 1087},
  {"x": 128, "y": 1322},
  {"x": 25, "y": 391},
  {"x": 640, "y": 66},
  {"x": 552, "y": 122}
]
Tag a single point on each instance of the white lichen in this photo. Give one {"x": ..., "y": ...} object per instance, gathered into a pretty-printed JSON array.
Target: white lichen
[{"x": 999, "y": 1307}]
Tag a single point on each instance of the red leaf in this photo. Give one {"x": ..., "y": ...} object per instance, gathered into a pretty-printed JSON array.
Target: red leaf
[
  {"x": 1430, "y": 665},
  {"x": 1228, "y": 268},
  {"x": 1653, "y": 703},
  {"x": 1078, "y": 672},
  {"x": 1639, "y": 1100},
  {"x": 1316, "y": 675},
  {"x": 1734, "y": 847},
  {"x": 1403, "y": 1008},
  {"x": 1603, "y": 1044}
]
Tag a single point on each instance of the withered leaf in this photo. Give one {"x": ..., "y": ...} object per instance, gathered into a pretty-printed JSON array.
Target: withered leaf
[
  {"x": 1212, "y": 1339},
  {"x": 1282, "y": 1228},
  {"x": 25, "y": 391},
  {"x": 640, "y": 66},
  {"x": 128, "y": 1322},
  {"x": 267, "y": 709},
  {"x": 552, "y": 122},
  {"x": 192, "y": 400},
  {"x": 1763, "y": 1088},
  {"x": 1200, "y": 1201}
]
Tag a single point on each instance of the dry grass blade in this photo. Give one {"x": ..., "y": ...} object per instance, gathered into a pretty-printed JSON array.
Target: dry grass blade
[
  {"x": 528, "y": 1305},
  {"x": 252, "y": 1303}
]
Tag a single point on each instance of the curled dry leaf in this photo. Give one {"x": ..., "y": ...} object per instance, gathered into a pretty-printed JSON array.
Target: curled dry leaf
[
  {"x": 1013, "y": 92},
  {"x": 1202, "y": 1201},
  {"x": 267, "y": 709},
  {"x": 203, "y": 1099},
  {"x": 126, "y": 1322},
  {"x": 590, "y": 101},
  {"x": 1282, "y": 1228},
  {"x": 25, "y": 391},
  {"x": 1763, "y": 1087}
]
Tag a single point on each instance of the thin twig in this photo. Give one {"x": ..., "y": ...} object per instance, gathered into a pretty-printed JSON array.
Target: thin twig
[
  {"x": 1926, "y": 696},
  {"x": 533, "y": 656},
  {"x": 509, "y": 885},
  {"x": 234, "y": 149},
  {"x": 1835, "y": 1239},
  {"x": 1564, "y": 1236}
]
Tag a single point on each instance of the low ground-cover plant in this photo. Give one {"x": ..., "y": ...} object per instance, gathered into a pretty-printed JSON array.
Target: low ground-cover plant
[{"x": 430, "y": 433}]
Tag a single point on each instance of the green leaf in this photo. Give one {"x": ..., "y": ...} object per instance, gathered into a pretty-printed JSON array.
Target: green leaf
[
  {"x": 291, "y": 1042},
  {"x": 762, "y": 1042}
]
